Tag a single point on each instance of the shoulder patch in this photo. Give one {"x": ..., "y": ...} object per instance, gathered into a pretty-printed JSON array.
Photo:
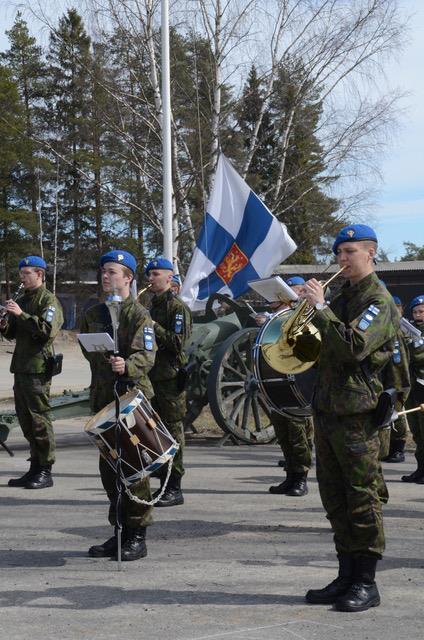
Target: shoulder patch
[
  {"x": 368, "y": 317},
  {"x": 148, "y": 338},
  {"x": 49, "y": 314},
  {"x": 179, "y": 323},
  {"x": 396, "y": 355}
]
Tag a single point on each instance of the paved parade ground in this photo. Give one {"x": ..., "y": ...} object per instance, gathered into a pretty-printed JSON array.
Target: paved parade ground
[{"x": 232, "y": 563}]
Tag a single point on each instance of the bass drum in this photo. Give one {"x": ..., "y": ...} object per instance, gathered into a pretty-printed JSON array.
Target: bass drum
[{"x": 289, "y": 394}]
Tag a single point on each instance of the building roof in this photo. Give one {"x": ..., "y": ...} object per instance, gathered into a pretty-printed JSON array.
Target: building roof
[{"x": 410, "y": 265}]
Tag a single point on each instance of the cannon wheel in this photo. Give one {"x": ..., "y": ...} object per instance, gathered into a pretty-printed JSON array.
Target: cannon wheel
[{"x": 234, "y": 398}]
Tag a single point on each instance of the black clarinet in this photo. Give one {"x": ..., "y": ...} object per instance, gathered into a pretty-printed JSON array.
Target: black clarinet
[{"x": 3, "y": 310}]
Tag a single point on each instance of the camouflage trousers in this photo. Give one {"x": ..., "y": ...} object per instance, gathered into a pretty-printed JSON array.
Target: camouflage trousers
[
  {"x": 351, "y": 482},
  {"x": 393, "y": 439},
  {"x": 416, "y": 424},
  {"x": 295, "y": 437},
  {"x": 32, "y": 393},
  {"x": 134, "y": 515},
  {"x": 171, "y": 406}
]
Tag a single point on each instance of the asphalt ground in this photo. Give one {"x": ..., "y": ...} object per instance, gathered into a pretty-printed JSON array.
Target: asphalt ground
[{"x": 233, "y": 562}]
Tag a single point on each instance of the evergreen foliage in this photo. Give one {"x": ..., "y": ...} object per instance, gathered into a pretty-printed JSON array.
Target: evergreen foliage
[{"x": 80, "y": 131}]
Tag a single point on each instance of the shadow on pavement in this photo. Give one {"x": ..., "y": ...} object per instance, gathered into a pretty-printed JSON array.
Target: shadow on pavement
[{"x": 102, "y": 597}]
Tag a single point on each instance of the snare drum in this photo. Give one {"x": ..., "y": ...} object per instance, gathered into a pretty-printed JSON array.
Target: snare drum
[{"x": 146, "y": 443}]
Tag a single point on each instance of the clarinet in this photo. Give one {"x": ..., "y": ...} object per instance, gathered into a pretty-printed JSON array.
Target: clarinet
[{"x": 3, "y": 310}]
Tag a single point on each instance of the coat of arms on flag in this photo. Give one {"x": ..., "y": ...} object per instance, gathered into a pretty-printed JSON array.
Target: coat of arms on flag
[{"x": 240, "y": 240}]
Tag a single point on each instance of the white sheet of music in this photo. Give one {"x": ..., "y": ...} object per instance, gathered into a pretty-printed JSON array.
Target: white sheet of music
[
  {"x": 96, "y": 341},
  {"x": 273, "y": 289}
]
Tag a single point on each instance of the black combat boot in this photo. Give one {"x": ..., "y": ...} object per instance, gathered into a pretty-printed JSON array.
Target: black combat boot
[
  {"x": 396, "y": 453},
  {"x": 284, "y": 486},
  {"x": 363, "y": 593},
  {"x": 21, "y": 482},
  {"x": 42, "y": 479},
  {"x": 416, "y": 476},
  {"x": 299, "y": 485},
  {"x": 173, "y": 494},
  {"x": 106, "y": 550},
  {"x": 337, "y": 588},
  {"x": 134, "y": 546}
]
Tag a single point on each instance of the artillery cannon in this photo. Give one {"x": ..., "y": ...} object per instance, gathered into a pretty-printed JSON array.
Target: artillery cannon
[
  {"x": 70, "y": 404},
  {"x": 220, "y": 373}
]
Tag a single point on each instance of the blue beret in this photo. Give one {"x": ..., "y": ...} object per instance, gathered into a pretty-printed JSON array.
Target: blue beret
[
  {"x": 295, "y": 280},
  {"x": 120, "y": 257},
  {"x": 176, "y": 278},
  {"x": 416, "y": 301},
  {"x": 397, "y": 300},
  {"x": 32, "y": 261},
  {"x": 159, "y": 263},
  {"x": 354, "y": 233}
]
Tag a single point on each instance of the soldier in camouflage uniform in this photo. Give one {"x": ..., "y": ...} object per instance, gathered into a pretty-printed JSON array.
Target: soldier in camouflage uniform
[
  {"x": 136, "y": 357},
  {"x": 172, "y": 324},
  {"x": 416, "y": 397},
  {"x": 294, "y": 435},
  {"x": 358, "y": 331},
  {"x": 34, "y": 321}
]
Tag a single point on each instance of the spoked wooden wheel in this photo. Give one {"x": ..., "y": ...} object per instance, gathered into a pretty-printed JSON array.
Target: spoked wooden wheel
[{"x": 234, "y": 397}]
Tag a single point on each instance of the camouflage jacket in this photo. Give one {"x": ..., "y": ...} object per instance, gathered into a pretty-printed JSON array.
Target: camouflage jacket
[
  {"x": 136, "y": 345},
  {"x": 416, "y": 363},
  {"x": 172, "y": 328},
  {"x": 358, "y": 332},
  {"x": 34, "y": 330}
]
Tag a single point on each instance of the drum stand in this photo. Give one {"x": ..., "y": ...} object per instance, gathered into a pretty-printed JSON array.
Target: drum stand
[
  {"x": 114, "y": 303},
  {"x": 118, "y": 478}
]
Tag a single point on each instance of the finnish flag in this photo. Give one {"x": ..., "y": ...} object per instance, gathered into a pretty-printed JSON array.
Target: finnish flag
[{"x": 240, "y": 240}]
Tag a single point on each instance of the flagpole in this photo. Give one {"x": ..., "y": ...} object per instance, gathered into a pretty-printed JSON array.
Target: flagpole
[{"x": 166, "y": 134}]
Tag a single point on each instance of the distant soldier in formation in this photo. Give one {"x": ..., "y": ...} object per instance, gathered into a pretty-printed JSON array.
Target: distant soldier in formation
[
  {"x": 398, "y": 431},
  {"x": 136, "y": 357},
  {"x": 176, "y": 284},
  {"x": 172, "y": 325},
  {"x": 416, "y": 397},
  {"x": 358, "y": 330},
  {"x": 34, "y": 320},
  {"x": 294, "y": 435}
]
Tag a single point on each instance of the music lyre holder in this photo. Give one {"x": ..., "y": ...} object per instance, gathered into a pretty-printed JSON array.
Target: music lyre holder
[{"x": 114, "y": 303}]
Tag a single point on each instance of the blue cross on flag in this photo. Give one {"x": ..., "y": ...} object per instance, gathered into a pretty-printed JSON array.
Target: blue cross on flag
[{"x": 240, "y": 240}]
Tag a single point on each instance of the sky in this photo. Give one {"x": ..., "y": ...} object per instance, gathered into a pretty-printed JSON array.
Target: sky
[{"x": 398, "y": 213}]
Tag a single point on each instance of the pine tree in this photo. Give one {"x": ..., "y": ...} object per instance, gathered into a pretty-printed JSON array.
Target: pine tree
[
  {"x": 24, "y": 60},
  {"x": 17, "y": 226},
  {"x": 68, "y": 110},
  {"x": 288, "y": 149}
]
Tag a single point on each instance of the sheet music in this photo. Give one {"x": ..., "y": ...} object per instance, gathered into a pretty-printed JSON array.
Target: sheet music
[
  {"x": 100, "y": 342},
  {"x": 273, "y": 289}
]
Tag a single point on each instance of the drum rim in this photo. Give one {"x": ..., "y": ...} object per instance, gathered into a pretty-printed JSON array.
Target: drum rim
[{"x": 132, "y": 392}]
